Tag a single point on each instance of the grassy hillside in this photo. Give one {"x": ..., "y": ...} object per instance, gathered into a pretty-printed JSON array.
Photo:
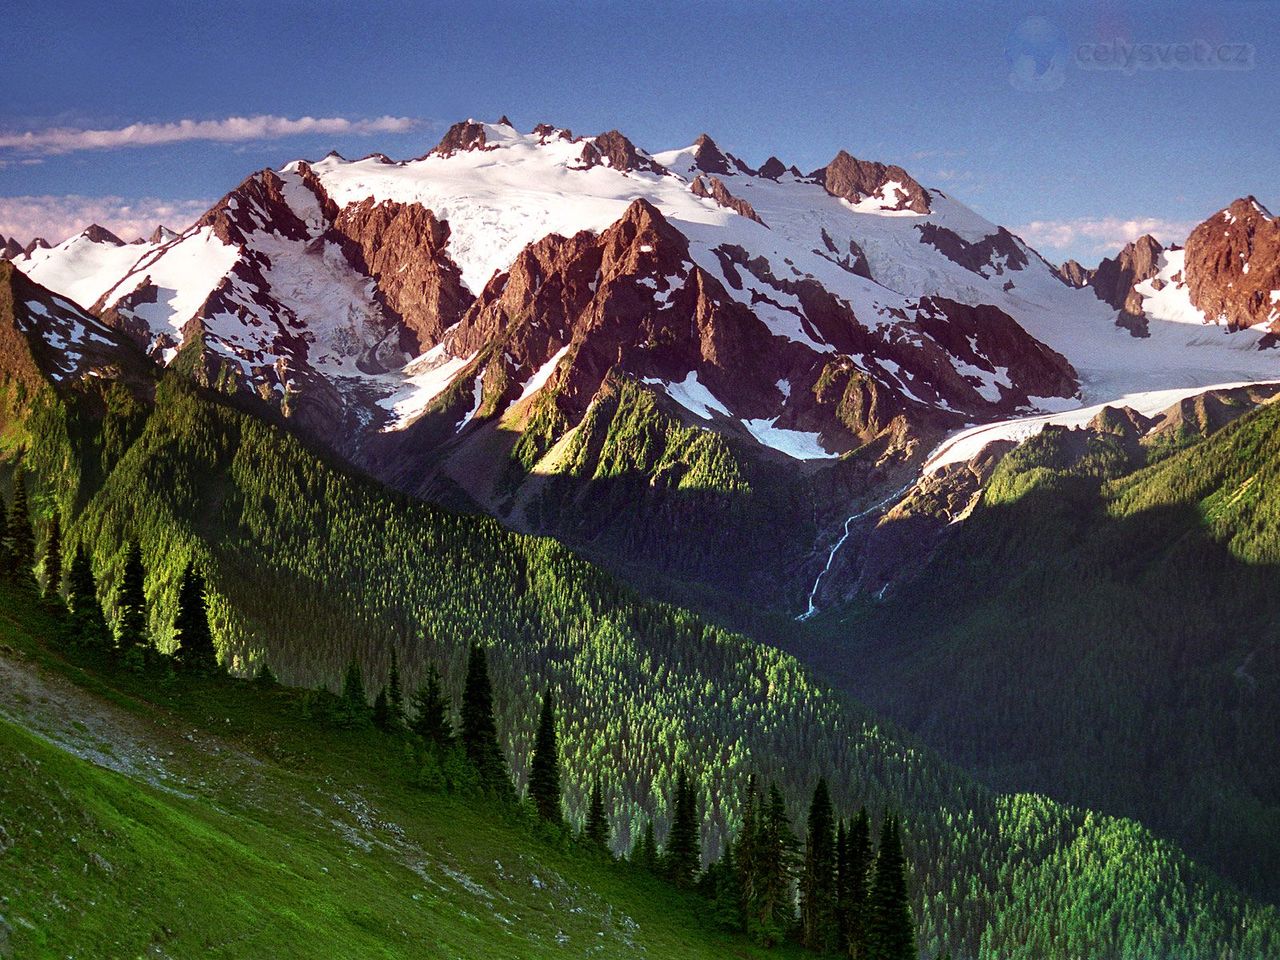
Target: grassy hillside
[
  {"x": 311, "y": 565},
  {"x": 1107, "y": 631},
  {"x": 213, "y": 818}
]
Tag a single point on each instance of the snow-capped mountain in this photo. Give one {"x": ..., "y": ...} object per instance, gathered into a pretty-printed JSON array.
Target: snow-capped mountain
[{"x": 484, "y": 321}]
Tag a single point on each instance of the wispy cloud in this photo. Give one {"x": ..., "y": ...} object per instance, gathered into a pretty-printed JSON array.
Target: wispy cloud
[
  {"x": 59, "y": 140},
  {"x": 60, "y": 216},
  {"x": 1100, "y": 235}
]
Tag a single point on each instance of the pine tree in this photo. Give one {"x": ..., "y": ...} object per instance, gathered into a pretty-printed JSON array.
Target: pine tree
[
  {"x": 395, "y": 694},
  {"x": 644, "y": 851},
  {"x": 53, "y": 558},
  {"x": 544, "y": 771},
  {"x": 382, "y": 711},
  {"x": 195, "y": 652},
  {"x": 131, "y": 602},
  {"x": 891, "y": 933},
  {"x": 480, "y": 731},
  {"x": 596, "y": 832},
  {"x": 726, "y": 895},
  {"x": 353, "y": 703},
  {"x": 431, "y": 712},
  {"x": 22, "y": 539},
  {"x": 818, "y": 925},
  {"x": 854, "y": 867},
  {"x": 684, "y": 845},
  {"x": 771, "y": 909},
  {"x": 87, "y": 627}
]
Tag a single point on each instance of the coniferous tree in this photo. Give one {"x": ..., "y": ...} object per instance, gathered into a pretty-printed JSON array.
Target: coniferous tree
[
  {"x": 87, "y": 627},
  {"x": 891, "y": 931},
  {"x": 382, "y": 711},
  {"x": 726, "y": 893},
  {"x": 772, "y": 911},
  {"x": 596, "y": 831},
  {"x": 265, "y": 677},
  {"x": 395, "y": 694},
  {"x": 854, "y": 867},
  {"x": 544, "y": 770},
  {"x": 22, "y": 539},
  {"x": 683, "y": 852},
  {"x": 353, "y": 704},
  {"x": 480, "y": 730},
  {"x": 195, "y": 652},
  {"x": 431, "y": 719},
  {"x": 747, "y": 847},
  {"x": 53, "y": 558},
  {"x": 131, "y": 602},
  {"x": 644, "y": 851},
  {"x": 818, "y": 924}
]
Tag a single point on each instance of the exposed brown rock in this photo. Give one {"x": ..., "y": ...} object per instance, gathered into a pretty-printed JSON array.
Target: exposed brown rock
[
  {"x": 459, "y": 138},
  {"x": 39, "y": 243},
  {"x": 9, "y": 248},
  {"x": 402, "y": 246},
  {"x": 854, "y": 260},
  {"x": 714, "y": 189},
  {"x": 1114, "y": 281},
  {"x": 998, "y": 251},
  {"x": 772, "y": 168},
  {"x": 100, "y": 234},
  {"x": 614, "y": 150},
  {"x": 545, "y": 132},
  {"x": 162, "y": 234},
  {"x": 853, "y": 179},
  {"x": 1073, "y": 274},
  {"x": 1233, "y": 266}
]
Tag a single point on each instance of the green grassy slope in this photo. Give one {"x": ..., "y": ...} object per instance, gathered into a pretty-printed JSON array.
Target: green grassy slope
[
  {"x": 232, "y": 826},
  {"x": 1106, "y": 631}
]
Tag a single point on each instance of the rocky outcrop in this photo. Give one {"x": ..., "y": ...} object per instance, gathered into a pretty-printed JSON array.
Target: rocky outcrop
[
  {"x": 99, "y": 234},
  {"x": 713, "y": 188},
  {"x": 39, "y": 243},
  {"x": 9, "y": 247},
  {"x": 855, "y": 180},
  {"x": 1232, "y": 266},
  {"x": 459, "y": 138},
  {"x": 615, "y": 151},
  {"x": 258, "y": 200},
  {"x": 708, "y": 158},
  {"x": 852, "y": 259},
  {"x": 1116, "y": 277},
  {"x": 161, "y": 234},
  {"x": 402, "y": 247},
  {"x": 772, "y": 168},
  {"x": 1073, "y": 274},
  {"x": 545, "y": 133},
  {"x": 997, "y": 252}
]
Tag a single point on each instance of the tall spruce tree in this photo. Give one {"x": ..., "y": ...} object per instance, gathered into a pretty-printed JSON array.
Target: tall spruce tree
[
  {"x": 891, "y": 929},
  {"x": 52, "y": 565},
  {"x": 196, "y": 652},
  {"x": 353, "y": 703},
  {"x": 431, "y": 720},
  {"x": 855, "y": 864},
  {"x": 596, "y": 831},
  {"x": 726, "y": 891},
  {"x": 644, "y": 850},
  {"x": 544, "y": 770},
  {"x": 747, "y": 847},
  {"x": 87, "y": 627},
  {"x": 131, "y": 602},
  {"x": 683, "y": 852},
  {"x": 818, "y": 921},
  {"x": 22, "y": 539},
  {"x": 480, "y": 730},
  {"x": 772, "y": 912},
  {"x": 395, "y": 693}
]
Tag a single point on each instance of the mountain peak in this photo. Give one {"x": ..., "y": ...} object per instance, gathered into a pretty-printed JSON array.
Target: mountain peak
[
  {"x": 613, "y": 149},
  {"x": 100, "y": 234},
  {"x": 866, "y": 182}
]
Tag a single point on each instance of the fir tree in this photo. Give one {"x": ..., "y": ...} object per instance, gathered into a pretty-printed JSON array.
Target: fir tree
[
  {"x": 382, "y": 711},
  {"x": 684, "y": 846},
  {"x": 431, "y": 712},
  {"x": 772, "y": 911},
  {"x": 131, "y": 602},
  {"x": 855, "y": 863},
  {"x": 22, "y": 539},
  {"x": 891, "y": 932},
  {"x": 544, "y": 771},
  {"x": 726, "y": 894},
  {"x": 53, "y": 558},
  {"x": 480, "y": 731},
  {"x": 395, "y": 694},
  {"x": 818, "y": 923},
  {"x": 596, "y": 831},
  {"x": 747, "y": 846},
  {"x": 87, "y": 627},
  {"x": 353, "y": 704},
  {"x": 195, "y": 652},
  {"x": 265, "y": 677},
  {"x": 644, "y": 851}
]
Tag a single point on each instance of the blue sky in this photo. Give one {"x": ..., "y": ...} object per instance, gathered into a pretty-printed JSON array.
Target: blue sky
[{"x": 1022, "y": 111}]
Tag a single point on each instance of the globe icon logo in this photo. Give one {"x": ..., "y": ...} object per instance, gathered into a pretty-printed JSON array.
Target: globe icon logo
[{"x": 1036, "y": 52}]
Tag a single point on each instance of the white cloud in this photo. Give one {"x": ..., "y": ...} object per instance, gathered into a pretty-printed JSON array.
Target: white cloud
[
  {"x": 1100, "y": 235},
  {"x": 58, "y": 140},
  {"x": 57, "y": 217}
]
